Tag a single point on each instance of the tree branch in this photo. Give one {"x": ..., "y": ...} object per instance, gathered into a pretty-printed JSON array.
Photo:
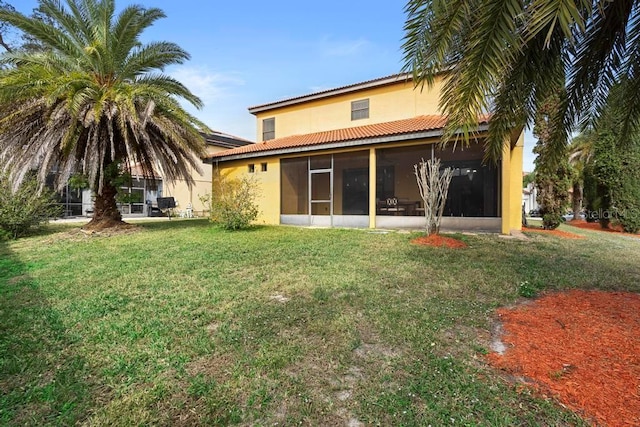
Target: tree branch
[{"x": 5, "y": 45}]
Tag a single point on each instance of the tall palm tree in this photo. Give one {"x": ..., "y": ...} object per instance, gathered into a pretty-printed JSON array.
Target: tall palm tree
[
  {"x": 580, "y": 154},
  {"x": 94, "y": 101},
  {"x": 507, "y": 56}
]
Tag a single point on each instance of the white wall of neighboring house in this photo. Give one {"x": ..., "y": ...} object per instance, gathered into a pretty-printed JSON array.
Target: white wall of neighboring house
[{"x": 529, "y": 198}]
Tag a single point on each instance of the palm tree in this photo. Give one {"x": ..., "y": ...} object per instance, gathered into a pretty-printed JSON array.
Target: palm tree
[
  {"x": 580, "y": 154},
  {"x": 507, "y": 56},
  {"x": 95, "y": 102}
]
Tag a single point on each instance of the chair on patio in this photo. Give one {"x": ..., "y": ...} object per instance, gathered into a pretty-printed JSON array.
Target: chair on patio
[{"x": 393, "y": 207}]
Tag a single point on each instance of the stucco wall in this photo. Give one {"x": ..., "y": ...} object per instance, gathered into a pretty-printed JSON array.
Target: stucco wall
[
  {"x": 387, "y": 103},
  {"x": 268, "y": 184},
  {"x": 185, "y": 195}
]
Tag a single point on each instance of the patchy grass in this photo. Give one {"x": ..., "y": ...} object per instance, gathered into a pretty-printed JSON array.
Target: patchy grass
[{"x": 181, "y": 323}]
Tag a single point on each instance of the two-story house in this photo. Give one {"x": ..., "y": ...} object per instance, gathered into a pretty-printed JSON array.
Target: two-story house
[{"x": 345, "y": 157}]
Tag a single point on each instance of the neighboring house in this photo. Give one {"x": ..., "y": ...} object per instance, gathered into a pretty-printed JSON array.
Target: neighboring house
[
  {"x": 344, "y": 157},
  {"x": 143, "y": 192},
  {"x": 216, "y": 142}
]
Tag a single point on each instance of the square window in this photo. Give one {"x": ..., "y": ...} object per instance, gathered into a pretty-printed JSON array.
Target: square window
[
  {"x": 268, "y": 129},
  {"x": 360, "y": 109},
  {"x": 251, "y": 168},
  {"x": 263, "y": 167}
]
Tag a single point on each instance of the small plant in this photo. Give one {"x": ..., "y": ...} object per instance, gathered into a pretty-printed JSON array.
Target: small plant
[
  {"x": 25, "y": 209},
  {"x": 527, "y": 290},
  {"x": 233, "y": 202},
  {"x": 205, "y": 199}
]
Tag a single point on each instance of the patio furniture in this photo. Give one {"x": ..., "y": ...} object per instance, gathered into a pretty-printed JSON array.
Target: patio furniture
[{"x": 395, "y": 207}]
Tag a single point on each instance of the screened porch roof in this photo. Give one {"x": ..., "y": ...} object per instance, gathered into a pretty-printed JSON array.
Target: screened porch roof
[{"x": 398, "y": 130}]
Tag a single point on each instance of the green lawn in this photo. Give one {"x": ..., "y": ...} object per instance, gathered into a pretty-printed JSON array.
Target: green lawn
[{"x": 185, "y": 324}]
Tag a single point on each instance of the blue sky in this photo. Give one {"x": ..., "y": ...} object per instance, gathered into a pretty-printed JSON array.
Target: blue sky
[{"x": 250, "y": 52}]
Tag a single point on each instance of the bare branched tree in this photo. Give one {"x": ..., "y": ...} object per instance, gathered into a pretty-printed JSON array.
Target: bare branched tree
[{"x": 434, "y": 187}]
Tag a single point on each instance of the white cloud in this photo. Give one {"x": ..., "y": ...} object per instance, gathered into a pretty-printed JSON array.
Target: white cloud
[
  {"x": 225, "y": 106},
  {"x": 207, "y": 85},
  {"x": 330, "y": 47}
]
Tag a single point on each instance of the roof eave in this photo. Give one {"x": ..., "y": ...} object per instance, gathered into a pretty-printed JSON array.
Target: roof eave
[
  {"x": 336, "y": 145},
  {"x": 396, "y": 78}
]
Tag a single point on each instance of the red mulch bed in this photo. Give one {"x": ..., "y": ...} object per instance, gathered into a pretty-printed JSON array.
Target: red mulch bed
[
  {"x": 439, "y": 240},
  {"x": 581, "y": 223},
  {"x": 582, "y": 347},
  {"x": 556, "y": 232}
]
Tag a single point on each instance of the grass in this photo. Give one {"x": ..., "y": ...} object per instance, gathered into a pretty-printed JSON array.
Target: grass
[{"x": 182, "y": 323}]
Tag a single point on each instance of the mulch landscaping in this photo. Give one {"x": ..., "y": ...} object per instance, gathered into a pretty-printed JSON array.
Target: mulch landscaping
[
  {"x": 556, "y": 232},
  {"x": 582, "y": 347},
  {"x": 438, "y": 240},
  {"x": 595, "y": 226}
]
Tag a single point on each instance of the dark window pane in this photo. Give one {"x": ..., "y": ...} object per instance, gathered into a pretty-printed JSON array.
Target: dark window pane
[
  {"x": 396, "y": 181},
  {"x": 268, "y": 129},
  {"x": 473, "y": 191},
  {"x": 351, "y": 183}
]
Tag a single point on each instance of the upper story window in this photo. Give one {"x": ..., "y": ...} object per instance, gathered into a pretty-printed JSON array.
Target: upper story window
[
  {"x": 360, "y": 109},
  {"x": 268, "y": 129}
]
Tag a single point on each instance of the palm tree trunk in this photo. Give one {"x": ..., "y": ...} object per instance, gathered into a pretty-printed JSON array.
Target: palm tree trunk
[
  {"x": 105, "y": 210},
  {"x": 576, "y": 200}
]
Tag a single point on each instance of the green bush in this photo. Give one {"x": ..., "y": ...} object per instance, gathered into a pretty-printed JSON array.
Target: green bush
[
  {"x": 233, "y": 202},
  {"x": 26, "y": 209},
  {"x": 612, "y": 178}
]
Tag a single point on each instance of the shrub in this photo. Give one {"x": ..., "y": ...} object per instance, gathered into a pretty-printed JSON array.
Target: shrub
[
  {"x": 233, "y": 202},
  {"x": 25, "y": 209},
  {"x": 434, "y": 186},
  {"x": 612, "y": 178}
]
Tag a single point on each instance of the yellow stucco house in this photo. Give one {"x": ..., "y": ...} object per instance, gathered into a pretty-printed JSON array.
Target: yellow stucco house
[
  {"x": 184, "y": 195},
  {"x": 344, "y": 157}
]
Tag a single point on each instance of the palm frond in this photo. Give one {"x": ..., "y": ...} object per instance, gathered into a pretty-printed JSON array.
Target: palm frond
[
  {"x": 153, "y": 56},
  {"x": 487, "y": 54},
  {"x": 600, "y": 54},
  {"x": 563, "y": 15}
]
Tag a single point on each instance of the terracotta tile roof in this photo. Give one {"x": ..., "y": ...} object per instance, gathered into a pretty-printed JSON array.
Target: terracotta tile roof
[{"x": 366, "y": 132}]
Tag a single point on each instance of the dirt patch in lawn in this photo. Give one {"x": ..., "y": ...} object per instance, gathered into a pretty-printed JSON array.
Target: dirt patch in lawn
[
  {"x": 595, "y": 226},
  {"x": 581, "y": 347},
  {"x": 438, "y": 240},
  {"x": 80, "y": 234},
  {"x": 556, "y": 232}
]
